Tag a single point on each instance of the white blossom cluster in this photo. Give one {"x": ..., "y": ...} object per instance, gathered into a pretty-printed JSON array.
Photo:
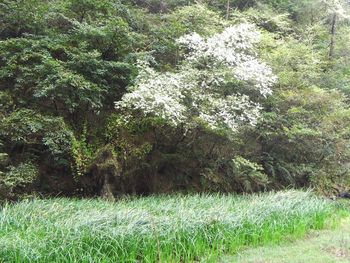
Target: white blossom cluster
[
  {"x": 234, "y": 48},
  {"x": 230, "y": 111},
  {"x": 160, "y": 94},
  {"x": 200, "y": 87},
  {"x": 257, "y": 72}
]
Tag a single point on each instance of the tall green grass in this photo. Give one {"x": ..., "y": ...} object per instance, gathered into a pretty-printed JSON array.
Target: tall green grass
[{"x": 174, "y": 228}]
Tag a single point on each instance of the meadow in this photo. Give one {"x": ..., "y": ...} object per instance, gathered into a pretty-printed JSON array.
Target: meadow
[{"x": 174, "y": 228}]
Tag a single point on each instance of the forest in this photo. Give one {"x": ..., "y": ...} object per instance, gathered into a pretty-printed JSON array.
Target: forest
[
  {"x": 174, "y": 131},
  {"x": 111, "y": 98}
]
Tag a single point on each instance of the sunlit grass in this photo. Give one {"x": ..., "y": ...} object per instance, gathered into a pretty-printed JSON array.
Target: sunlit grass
[
  {"x": 154, "y": 229},
  {"x": 330, "y": 246}
]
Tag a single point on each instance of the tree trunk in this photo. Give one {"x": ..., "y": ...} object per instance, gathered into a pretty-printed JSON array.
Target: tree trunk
[
  {"x": 107, "y": 189},
  {"x": 227, "y": 9},
  {"x": 333, "y": 32}
]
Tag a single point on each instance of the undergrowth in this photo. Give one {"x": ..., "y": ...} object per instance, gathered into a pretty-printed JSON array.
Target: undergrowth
[{"x": 176, "y": 228}]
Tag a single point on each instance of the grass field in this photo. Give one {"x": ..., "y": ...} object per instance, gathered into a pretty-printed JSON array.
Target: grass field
[
  {"x": 326, "y": 246},
  {"x": 180, "y": 228}
]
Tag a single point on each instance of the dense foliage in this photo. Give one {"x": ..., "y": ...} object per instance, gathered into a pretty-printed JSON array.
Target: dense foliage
[{"x": 111, "y": 97}]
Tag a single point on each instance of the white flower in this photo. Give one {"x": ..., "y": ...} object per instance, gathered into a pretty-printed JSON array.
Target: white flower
[{"x": 202, "y": 86}]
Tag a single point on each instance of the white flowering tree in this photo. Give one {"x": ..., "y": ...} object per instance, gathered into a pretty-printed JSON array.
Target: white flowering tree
[{"x": 219, "y": 82}]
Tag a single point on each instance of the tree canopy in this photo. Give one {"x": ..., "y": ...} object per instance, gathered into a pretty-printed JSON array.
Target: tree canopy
[{"x": 149, "y": 96}]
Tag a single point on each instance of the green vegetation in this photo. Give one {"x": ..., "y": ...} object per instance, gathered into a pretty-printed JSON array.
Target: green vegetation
[
  {"x": 113, "y": 97},
  {"x": 331, "y": 246},
  {"x": 165, "y": 228},
  {"x": 196, "y": 101},
  {"x": 126, "y": 98}
]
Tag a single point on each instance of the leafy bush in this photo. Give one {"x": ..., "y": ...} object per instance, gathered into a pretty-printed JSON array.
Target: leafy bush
[
  {"x": 250, "y": 175},
  {"x": 17, "y": 177}
]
